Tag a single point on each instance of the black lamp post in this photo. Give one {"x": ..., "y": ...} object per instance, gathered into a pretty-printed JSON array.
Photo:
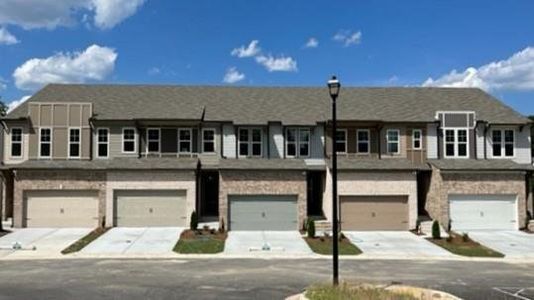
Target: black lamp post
[{"x": 333, "y": 88}]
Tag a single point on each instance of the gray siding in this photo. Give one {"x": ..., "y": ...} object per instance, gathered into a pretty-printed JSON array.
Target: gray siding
[
  {"x": 229, "y": 141},
  {"x": 480, "y": 141},
  {"x": 432, "y": 141},
  {"x": 276, "y": 140},
  {"x": 317, "y": 142},
  {"x": 522, "y": 149},
  {"x": 115, "y": 142}
]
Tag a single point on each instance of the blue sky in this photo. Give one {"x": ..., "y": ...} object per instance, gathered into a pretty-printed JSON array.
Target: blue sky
[{"x": 366, "y": 43}]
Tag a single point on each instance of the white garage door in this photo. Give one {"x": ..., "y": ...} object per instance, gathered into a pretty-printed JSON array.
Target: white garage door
[
  {"x": 61, "y": 209},
  {"x": 483, "y": 212},
  {"x": 150, "y": 208}
]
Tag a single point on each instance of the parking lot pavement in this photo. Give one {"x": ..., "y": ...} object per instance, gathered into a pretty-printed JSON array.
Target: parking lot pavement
[
  {"x": 513, "y": 244},
  {"x": 47, "y": 242},
  {"x": 139, "y": 241},
  {"x": 266, "y": 242},
  {"x": 395, "y": 244}
]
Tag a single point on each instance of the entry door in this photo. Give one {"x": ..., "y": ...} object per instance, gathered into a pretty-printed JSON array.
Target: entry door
[
  {"x": 483, "y": 212},
  {"x": 209, "y": 205},
  {"x": 263, "y": 212}
]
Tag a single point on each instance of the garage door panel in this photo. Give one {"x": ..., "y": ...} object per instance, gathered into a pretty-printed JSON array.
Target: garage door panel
[
  {"x": 61, "y": 209},
  {"x": 483, "y": 212},
  {"x": 374, "y": 212},
  {"x": 263, "y": 212},
  {"x": 150, "y": 208}
]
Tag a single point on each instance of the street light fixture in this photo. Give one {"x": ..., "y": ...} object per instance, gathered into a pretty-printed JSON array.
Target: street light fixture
[{"x": 333, "y": 88}]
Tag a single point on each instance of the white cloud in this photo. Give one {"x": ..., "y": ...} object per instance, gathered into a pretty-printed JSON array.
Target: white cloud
[
  {"x": 31, "y": 14},
  {"x": 312, "y": 43},
  {"x": 13, "y": 104},
  {"x": 277, "y": 64},
  {"x": 3, "y": 84},
  {"x": 348, "y": 37},
  {"x": 6, "y": 38},
  {"x": 154, "y": 71},
  {"x": 513, "y": 73},
  {"x": 251, "y": 50},
  {"x": 232, "y": 75},
  {"x": 109, "y": 13},
  {"x": 95, "y": 63}
]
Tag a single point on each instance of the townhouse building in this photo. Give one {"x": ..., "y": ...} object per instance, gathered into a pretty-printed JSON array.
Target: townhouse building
[{"x": 258, "y": 158}]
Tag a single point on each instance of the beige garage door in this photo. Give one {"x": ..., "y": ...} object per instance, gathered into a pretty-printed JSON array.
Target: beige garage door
[
  {"x": 150, "y": 208},
  {"x": 374, "y": 212},
  {"x": 61, "y": 209}
]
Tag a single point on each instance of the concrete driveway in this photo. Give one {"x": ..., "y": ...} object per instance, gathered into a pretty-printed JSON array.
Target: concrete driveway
[
  {"x": 266, "y": 242},
  {"x": 395, "y": 244},
  {"x": 513, "y": 244},
  {"x": 138, "y": 241},
  {"x": 48, "y": 242}
]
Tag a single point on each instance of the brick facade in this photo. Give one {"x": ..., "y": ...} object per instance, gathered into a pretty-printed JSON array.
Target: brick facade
[
  {"x": 35, "y": 180},
  {"x": 442, "y": 184},
  {"x": 248, "y": 182}
]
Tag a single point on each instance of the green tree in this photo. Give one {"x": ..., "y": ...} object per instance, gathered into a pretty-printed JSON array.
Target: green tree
[{"x": 3, "y": 108}]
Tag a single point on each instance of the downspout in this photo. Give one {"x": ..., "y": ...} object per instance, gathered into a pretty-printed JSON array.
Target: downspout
[
  {"x": 439, "y": 136},
  {"x": 268, "y": 140}
]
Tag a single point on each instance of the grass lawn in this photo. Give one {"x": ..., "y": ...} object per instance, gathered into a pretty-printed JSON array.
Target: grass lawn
[
  {"x": 200, "y": 242},
  {"x": 345, "y": 291},
  {"x": 323, "y": 245},
  {"x": 465, "y": 246},
  {"x": 86, "y": 240}
]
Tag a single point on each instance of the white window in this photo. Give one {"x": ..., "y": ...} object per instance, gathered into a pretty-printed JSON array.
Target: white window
[
  {"x": 393, "y": 141},
  {"x": 45, "y": 142},
  {"x": 185, "y": 140},
  {"x": 153, "y": 140},
  {"x": 341, "y": 141},
  {"x": 297, "y": 142},
  {"x": 503, "y": 142},
  {"x": 16, "y": 142},
  {"x": 102, "y": 142},
  {"x": 208, "y": 140},
  {"x": 456, "y": 143},
  {"x": 417, "y": 138},
  {"x": 363, "y": 139},
  {"x": 129, "y": 140},
  {"x": 74, "y": 142},
  {"x": 250, "y": 142}
]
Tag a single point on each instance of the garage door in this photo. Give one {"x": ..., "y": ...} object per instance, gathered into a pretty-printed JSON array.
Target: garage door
[
  {"x": 374, "y": 212},
  {"x": 265, "y": 212},
  {"x": 61, "y": 209},
  {"x": 150, "y": 208},
  {"x": 483, "y": 212}
]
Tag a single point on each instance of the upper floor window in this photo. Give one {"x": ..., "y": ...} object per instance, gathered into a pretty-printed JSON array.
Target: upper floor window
[
  {"x": 185, "y": 137},
  {"x": 393, "y": 141},
  {"x": 503, "y": 141},
  {"x": 341, "y": 141},
  {"x": 74, "y": 142},
  {"x": 102, "y": 142},
  {"x": 208, "y": 140},
  {"x": 297, "y": 142},
  {"x": 456, "y": 143},
  {"x": 129, "y": 140},
  {"x": 153, "y": 140},
  {"x": 45, "y": 142},
  {"x": 363, "y": 139},
  {"x": 16, "y": 142},
  {"x": 417, "y": 138},
  {"x": 250, "y": 142}
]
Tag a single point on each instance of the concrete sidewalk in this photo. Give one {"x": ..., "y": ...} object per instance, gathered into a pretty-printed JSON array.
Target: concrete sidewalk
[{"x": 266, "y": 243}]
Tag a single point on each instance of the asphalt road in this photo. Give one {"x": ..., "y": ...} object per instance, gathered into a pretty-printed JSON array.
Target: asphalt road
[{"x": 248, "y": 278}]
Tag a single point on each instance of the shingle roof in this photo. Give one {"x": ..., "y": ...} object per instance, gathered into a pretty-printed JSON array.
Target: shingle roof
[
  {"x": 111, "y": 164},
  {"x": 368, "y": 164},
  {"x": 259, "y": 105},
  {"x": 262, "y": 164},
  {"x": 479, "y": 164}
]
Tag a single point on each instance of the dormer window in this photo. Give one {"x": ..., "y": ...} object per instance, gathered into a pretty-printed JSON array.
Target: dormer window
[
  {"x": 16, "y": 142},
  {"x": 250, "y": 142},
  {"x": 456, "y": 143},
  {"x": 502, "y": 141}
]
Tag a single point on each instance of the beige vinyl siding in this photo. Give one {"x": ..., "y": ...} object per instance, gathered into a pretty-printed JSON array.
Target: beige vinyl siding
[
  {"x": 60, "y": 117},
  {"x": 115, "y": 141}
]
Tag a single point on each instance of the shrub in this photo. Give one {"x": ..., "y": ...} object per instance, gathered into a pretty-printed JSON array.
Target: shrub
[
  {"x": 310, "y": 229},
  {"x": 436, "y": 233},
  {"x": 418, "y": 226},
  {"x": 193, "y": 225},
  {"x": 449, "y": 239},
  {"x": 465, "y": 237},
  {"x": 221, "y": 226}
]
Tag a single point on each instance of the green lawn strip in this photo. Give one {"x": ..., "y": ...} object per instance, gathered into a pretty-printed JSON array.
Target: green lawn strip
[
  {"x": 345, "y": 291},
  {"x": 323, "y": 245},
  {"x": 86, "y": 240},
  {"x": 466, "y": 247},
  {"x": 200, "y": 242}
]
